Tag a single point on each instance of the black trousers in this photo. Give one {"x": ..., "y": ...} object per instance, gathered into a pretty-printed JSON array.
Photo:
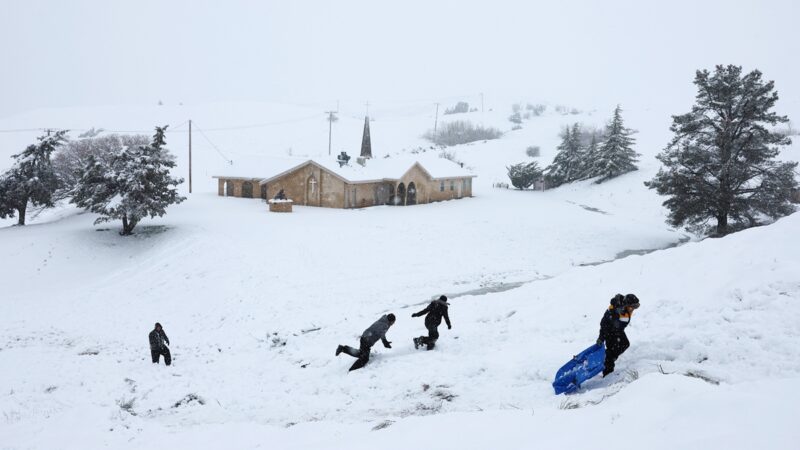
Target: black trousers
[
  {"x": 156, "y": 353},
  {"x": 362, "y": 353},
  {"x": 616, "y": 344},
  {"x": 431, "y": 338}
]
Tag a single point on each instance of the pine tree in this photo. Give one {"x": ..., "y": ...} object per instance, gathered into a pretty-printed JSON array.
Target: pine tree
[
  {"x": 32, "y": 179},
  {"x": 720, "y": 163},
  {"x": 616, "y": 156},
  {"x": 133, "y": 185},
  {"x": 567, "y": 165},
  {"x": 590, "y": 156}
]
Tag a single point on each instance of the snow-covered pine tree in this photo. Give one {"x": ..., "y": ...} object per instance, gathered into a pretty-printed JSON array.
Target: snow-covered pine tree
[
  {"x": 31, "y": 180},
  {"x": 134, "y": 185},
  {"x": 567, "y": 165},
  {"x": 616, "y": 155},
  {"x": 720, "y": 165},
  {"x": 590, "y": 156}
]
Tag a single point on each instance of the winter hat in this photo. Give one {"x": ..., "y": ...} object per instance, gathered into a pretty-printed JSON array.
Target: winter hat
[
  {"x": 443, "y": 298},
  {"x": 631, "y": 300},
  {"x": 391, "y": 317},
  {"x": 158, "y": 325}
]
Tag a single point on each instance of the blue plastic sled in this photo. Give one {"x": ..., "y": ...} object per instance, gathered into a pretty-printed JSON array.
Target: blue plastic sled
[{"x": 582, "y": 367}]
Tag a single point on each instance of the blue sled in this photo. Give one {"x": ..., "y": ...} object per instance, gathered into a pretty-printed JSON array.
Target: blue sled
[{"x": 582, "y": 367}]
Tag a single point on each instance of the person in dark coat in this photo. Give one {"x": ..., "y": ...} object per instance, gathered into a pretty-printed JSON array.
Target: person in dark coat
[
  {"x": 158, "y": 345},
  {"x": 376, "y": 331},
  {"x": 612, "y": 328},
  {"x": 280, "y": 195},
  {"x": 435, "y": 312}
]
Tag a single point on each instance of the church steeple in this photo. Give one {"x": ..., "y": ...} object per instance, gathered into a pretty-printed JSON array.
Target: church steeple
[{"x": 366, "y": 142}]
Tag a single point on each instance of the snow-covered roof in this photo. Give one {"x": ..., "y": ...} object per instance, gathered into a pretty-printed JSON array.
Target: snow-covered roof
[{"x": 374, "y": 170}]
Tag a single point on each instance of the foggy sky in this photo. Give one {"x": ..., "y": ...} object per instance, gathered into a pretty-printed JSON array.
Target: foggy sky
[{"x": 71, "y": 53}]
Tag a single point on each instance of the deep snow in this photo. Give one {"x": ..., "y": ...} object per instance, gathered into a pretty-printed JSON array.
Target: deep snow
[{"x": 255, "y": 303}]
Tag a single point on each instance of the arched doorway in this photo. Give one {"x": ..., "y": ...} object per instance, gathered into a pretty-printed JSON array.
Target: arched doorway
[
  {"x": 400, "y": 199},
  {"x": 229, "y": 188},
  {"x": 311, "y": 191},
  {"x": 264, "y": 191},
  {"x": 411, "y": 197},
  {"x": 392, "y": 198},
  {"x": 247, "y": 189}
]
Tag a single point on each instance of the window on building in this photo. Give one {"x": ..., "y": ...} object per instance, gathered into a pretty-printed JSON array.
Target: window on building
[
  {"x": 441, "y": 187},
  {"x": 452, "y": 185}
]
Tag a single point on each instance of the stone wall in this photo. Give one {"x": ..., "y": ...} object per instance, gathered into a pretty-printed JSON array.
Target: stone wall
[{"x": 235, "y": 187}]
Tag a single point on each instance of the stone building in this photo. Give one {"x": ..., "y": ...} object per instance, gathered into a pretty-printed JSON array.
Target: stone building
[{"x": 370, "y": 182}]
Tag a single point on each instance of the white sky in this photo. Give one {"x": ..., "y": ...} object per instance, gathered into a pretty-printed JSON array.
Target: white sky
[{"x": 586, "y": 53}]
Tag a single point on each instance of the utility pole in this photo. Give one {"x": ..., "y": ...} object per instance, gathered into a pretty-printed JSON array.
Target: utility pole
[
  {"x": 190, "y": 156},
  {"x": 436, "y": 119},
  {"x": 330, "y": 127}
]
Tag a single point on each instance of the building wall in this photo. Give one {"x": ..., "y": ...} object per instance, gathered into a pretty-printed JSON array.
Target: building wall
[
  {"x": 429, "y": 190},
  {"x": 331, "y": 191},
  {"x": 328, "y": 190},
  {"x": 233, "y": 187}
]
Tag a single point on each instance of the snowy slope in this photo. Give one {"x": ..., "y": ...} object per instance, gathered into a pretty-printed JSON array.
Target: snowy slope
[{"x": 255, "y": 303}]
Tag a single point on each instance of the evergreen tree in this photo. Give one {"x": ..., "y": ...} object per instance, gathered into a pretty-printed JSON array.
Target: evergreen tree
[
  {"x": 720, "y": 163},
  {"x": 616, "y": 156},
  {"x": 523, "y": 175},
  {"x": 567, "y": 165},
  {"x": 31, "y": 180},
  {"x": 133, "y": 185},
  {"x": 590, "y": 156}
]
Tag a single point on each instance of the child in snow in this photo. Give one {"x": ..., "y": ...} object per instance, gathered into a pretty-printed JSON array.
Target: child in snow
[
  {"x": 158, "y": 345},
  {"x": 370, "y": 336},
  {"x": 612, "y": 328},
  {"x": 435, "y": 311}
]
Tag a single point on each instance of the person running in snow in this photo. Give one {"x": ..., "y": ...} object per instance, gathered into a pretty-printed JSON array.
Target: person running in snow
[
  {"x": 612, "y": 328},
  {"x": 435, "y": 311},
  {"x": 376, "y": 331},
  {"x": 158, "y": 345}
]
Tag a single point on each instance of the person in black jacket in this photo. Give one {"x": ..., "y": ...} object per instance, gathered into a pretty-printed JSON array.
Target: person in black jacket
[
  {"x": 376, "y": 331},
  {"x": 158, "y": 345},
  {"x": 435, "y": 311},
  {"x": 612, "y": 328}
]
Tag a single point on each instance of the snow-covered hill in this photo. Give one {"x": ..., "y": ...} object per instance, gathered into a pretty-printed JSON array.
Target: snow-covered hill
[{"x": 255, "y": 304}]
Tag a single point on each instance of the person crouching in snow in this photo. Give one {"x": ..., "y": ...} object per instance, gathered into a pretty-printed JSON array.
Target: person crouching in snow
[
  {"x": 158, "y": 345},
  {"x": 376, "y": 331},
  {"x": 612, "y": 328},
  {"x": 435, "y": 311}
]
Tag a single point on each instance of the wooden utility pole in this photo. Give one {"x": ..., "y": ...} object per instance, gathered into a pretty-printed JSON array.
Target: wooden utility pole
[
  {"x": 190, "y": 156},
  {"x": 436, "y": 119},
  {"x": 330, "y": 127}
]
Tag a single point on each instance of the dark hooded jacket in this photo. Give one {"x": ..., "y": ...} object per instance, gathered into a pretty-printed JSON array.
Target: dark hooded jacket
[
  {"x": 157, "y": 339},
  {"x": 377, "y": 331},
  {"x": 618, "y": 315},
  {"x": 435, "y": 311}
]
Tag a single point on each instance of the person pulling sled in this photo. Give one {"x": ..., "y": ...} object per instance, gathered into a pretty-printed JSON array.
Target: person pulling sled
[
  {"x": 435, "y": 312},
  {"x": 612, "y": 328},
  {"x": 376, "y": 331}
]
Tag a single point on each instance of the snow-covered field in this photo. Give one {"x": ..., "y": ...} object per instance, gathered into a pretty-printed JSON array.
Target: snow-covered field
[{"x": 255, "y": 304}]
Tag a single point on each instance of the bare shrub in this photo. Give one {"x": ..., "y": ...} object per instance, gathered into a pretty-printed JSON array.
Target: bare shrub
[
  {"x": 461, "y": 132},
  {"x": 533, "y": 151}
]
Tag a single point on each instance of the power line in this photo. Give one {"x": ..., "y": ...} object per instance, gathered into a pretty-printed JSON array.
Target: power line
[{"x": 202, "y": 133}]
